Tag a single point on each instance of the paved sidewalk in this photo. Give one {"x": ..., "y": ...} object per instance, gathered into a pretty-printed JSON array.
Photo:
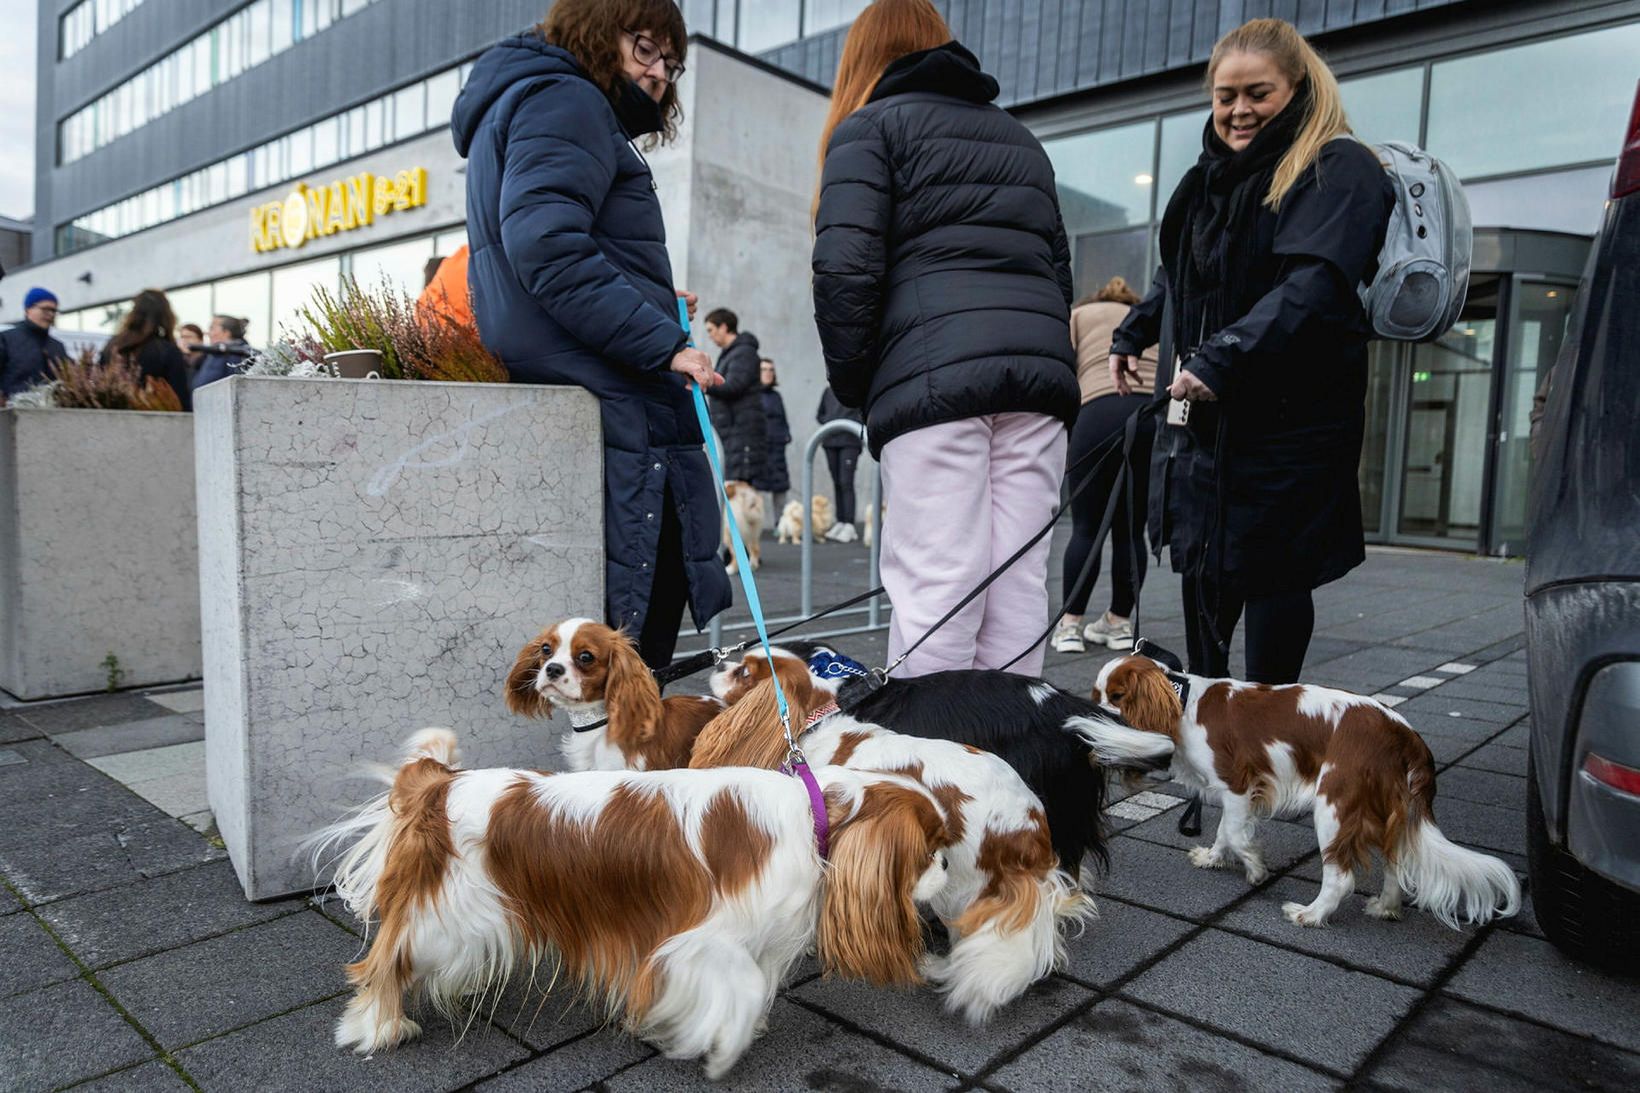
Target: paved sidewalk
[{"x": 132, "y": 961}]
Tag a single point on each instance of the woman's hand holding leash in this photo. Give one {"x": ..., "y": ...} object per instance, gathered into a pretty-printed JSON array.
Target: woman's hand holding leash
[
  {"x": 1186, "y": 386},
  {"x": 694, "y": 365},
  {"x": 1123, "y": 366},
  {"x": 690, "y": 299}
]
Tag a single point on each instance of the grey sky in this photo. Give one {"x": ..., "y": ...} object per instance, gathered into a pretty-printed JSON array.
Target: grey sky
[{"x": 17, "y": 107}]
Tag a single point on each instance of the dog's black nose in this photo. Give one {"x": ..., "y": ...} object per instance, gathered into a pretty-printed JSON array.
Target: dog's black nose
[{"x": 553, "y": 670}]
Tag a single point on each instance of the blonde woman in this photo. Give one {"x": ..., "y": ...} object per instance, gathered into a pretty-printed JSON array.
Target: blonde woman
[
  {"x": 1103, "y": 417},
  {"x": 1262, "y": 246},
  {"x": 942, "y": 291}
]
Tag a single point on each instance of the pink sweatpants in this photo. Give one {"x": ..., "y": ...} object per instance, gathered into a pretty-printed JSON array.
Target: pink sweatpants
[{"x": 961, "y": 498}]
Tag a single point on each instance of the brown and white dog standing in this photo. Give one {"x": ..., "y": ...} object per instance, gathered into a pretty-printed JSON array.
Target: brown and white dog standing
[
  {"x": 593, "y": 672},
  {"x": 1362, "y": 772},
  {"x": 746, "y": 510},
  {"x": 820, "y": 517},
  {"x": 789, "y": 529}
]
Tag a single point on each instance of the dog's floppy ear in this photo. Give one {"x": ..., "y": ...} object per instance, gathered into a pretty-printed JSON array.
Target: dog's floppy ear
[
  {"x": 632, "y": 698},
  {"x": 522, "y": 697},
  {"x": 1147, "y": 700},
  {"x": 746, "y": 734},
  {"x": 869, "y": 925}
]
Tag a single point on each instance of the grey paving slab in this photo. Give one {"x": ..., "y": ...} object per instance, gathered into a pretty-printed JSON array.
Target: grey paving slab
[
  {"x": 1282, "y": 843},
  {"x": 153, "y": 1077},
  {"x": 1124, "y": 1048},
  {"x": 1497, "y": 757},
  {"x": 801, "y": 1050},
  {"x": 111, "y": 853},
  {"x": 1448, "y": 749},
  {"x": 188, "y": 700},
  {"x": 150, "y": 916},
  {"x": 1484, "y": 827},
  {"x": 917, "y": 1021},
  {"x": 1524, "y": 975},
  {"x": 1162, "y": 878},
  {"x": 9, "y": 904},
  {"x": 151, "y": 763},
  {"x": 1122, "y": 938},
  {"x": 1277, "y": 998},
  {"x": 14, "y": 727},
  {"x": 574, "y": 1066},
  {"x": 154, "y": 732},
  {"x": 540, "y": 1019},
  {"x": 1488, "y": 687},
  {"x": 63, "y": 1034},
  {"x": 179, "y": 794},
  {"x": 32, "y": 959},
  {"x": 1485, "y": 787},
  {"x": 295, "y": 1053},
  {"x": 1429, "y": 723},
  {"x": 1415, "y": 949},
  {"x": 1442, "y": 703},
  {"x": 91, "y": 712},
  {"x": 235, "y": 979},
  {"x": 1457, "y": 1047}
]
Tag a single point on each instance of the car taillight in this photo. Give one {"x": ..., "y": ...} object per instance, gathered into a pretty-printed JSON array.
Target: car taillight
[
  {"x": 1628, "y": 160},
  {"x": 1612, "y": 774}
]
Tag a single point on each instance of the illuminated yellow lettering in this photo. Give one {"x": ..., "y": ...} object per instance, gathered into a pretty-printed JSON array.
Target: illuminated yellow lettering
[
  {"x": 382, "y": 195},
  {"x": 360, "y": 212},
  {"x": 336, "y": 220},
  {"x": 259, "y": 229},
  {"x": 418, "y": 187},
  {"x": 318, "y": 202}
]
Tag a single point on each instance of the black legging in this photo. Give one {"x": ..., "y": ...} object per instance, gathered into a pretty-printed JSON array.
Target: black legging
[
  {"x": 1098, "y": 421},
  {"x": 669, "y": 595},
  {"x": 841, "y": 462},
  {"x": 1278, "y": 632}
]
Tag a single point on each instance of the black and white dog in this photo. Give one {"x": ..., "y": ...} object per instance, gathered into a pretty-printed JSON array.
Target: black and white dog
[{"x": 1061, "y": 744}]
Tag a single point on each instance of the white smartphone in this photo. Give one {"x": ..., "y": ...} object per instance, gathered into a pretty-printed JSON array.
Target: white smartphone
[{"x": 1178, "y": 412}]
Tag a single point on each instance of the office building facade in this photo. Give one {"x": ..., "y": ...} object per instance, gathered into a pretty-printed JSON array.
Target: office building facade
[{"x": 168, "y": 131}]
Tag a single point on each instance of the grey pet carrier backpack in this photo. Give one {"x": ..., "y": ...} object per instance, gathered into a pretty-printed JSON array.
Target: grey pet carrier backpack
[{"x": 1423, "y": 268}]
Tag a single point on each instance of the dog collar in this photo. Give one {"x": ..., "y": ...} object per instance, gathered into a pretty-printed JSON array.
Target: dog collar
[
  {"x": 819, "y": 715},
  {"x": 589, "y": 726},
  {"x": 1181, "y": 686}
]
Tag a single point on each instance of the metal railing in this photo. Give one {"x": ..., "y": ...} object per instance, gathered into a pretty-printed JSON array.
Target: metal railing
[{"x": 874, "y": 608}]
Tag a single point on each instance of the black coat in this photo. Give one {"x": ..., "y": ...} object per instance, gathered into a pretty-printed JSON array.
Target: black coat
[
  {"x": 776, "y": 478},
  {"x": 832, "y": 409},
  {"x": 161, "y": 359},
  {"x": 215, "y": 365},
  {"x": 571, "y": 284},
  {"x": 942, "y": 282},
  {"x": 737, "y": 410},
  {"x": 26, "y": 351},
  {"x": 1269, "y": 503}
]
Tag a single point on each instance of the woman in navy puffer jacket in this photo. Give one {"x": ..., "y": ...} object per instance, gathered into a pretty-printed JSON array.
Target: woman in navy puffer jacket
[
  {"x": 571, "y": 283},
  {"x": 942, "y": 290}
]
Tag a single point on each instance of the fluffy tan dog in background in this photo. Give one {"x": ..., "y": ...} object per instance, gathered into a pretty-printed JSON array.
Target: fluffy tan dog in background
[
  {"x": 789, "y": 529},
  {"x": 746, "y": 510},
  {"x": 820, "y": 517}
]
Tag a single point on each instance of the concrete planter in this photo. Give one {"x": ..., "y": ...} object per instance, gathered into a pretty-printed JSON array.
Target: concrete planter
[
  {"x": 97, "y": 550},
  {"x": 372, "y": 555}
]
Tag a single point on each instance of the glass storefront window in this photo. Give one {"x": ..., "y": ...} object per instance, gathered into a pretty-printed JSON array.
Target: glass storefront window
[
  {"x": 1547, "y": 104},
  {"x": 821, "y": 15},
  {"x": 409, "y": 111},
  {"x": 768, "y": 23},
  {"x": 725, "y": 31},
  {"x": 401, "y": 265},
  {"x": 1388, "y": 106},
  {"x": 1104, "y": 178},
  {"x": 1537, "y": 328},
  {"x": 293, "y": 288},
  {"x": 246, "y": 297},
  {"x": 447, "y": 243},
  {"x": 191, "y": 305},
  {"x": 1181, "y": 147},
  {"x": 441, "y": 97},
  {"x": 1098, "y": 258}
]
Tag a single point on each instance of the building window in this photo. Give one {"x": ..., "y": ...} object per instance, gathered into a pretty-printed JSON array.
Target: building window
[
  {"x": 819, "y": 15},
  {"x": 1548, "y": 104},
  {"x": 1106, "y": 181},
  {"x": 768, "y": 23},
  {"x": 1388, "y": 106},
  {"x": 85, "y": 20}
]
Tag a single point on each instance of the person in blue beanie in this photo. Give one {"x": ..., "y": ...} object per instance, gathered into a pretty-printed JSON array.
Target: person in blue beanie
[{"x": 27, "y": 350}]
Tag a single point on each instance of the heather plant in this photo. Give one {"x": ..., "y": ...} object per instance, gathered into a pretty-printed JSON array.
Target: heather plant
[
  {"x": 84, "y": 384},
  {"x": 427, "y": 346}
]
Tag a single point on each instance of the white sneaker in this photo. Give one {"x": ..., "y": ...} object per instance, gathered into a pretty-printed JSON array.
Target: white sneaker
[
  {"x": 843, "y": 533},
  {"x": 1111, "y": 631},
  {"x": 1067, "y": 639}
]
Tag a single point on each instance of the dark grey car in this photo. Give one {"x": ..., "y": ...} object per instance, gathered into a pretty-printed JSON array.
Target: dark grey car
[{"x": 1583, "y": 607}]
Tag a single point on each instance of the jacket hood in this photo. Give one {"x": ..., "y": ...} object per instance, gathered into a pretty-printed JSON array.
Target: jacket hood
[
  {"x": 744, "y": 338},
  {"x": 522, "y": 57},
  {"x": 945, "y": 70}
]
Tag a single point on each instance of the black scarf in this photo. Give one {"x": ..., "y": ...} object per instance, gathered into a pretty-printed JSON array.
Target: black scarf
[
  {"x": 1207, "y": 230},
  {"x": 639, "y": 114}
]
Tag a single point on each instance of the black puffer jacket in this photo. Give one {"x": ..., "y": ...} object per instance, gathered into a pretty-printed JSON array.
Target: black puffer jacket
[
  {"x": 737, "y": 410},
  {"x": 942, "y": 281},
  {"x": 26, "y": 352}
]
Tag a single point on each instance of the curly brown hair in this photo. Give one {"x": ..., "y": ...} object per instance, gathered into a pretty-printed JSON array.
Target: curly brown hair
[{"x": 590, "y": 30}]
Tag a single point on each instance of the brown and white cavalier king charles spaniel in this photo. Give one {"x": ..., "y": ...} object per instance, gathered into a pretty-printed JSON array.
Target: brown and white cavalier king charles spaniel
[
  {"x": 1364, "y": 775},
  {"x": 678, "y": 898},
  {"x": 593, "y": 672}
]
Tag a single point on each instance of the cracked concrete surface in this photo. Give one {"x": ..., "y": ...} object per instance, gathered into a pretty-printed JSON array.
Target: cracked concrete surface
[{"x": 373, "y": 553}]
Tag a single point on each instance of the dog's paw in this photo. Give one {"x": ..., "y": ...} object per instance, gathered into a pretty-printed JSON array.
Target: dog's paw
[
  {"x": 1299, "y": 914},
  {"x": 1204, "y": 857},
  {"x": 1377, "y": 908},
  {"x": 1255, "y": 868}
]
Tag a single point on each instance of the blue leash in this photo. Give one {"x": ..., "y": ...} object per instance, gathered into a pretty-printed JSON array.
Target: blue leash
[{"x": 754, "y": 604}]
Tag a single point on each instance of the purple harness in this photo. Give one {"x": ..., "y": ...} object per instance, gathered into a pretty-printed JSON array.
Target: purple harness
[{"x": 817, "y": 800}]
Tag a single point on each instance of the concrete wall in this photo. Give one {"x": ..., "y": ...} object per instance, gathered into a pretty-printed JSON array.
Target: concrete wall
[
  {"x": 97, "y": 550},
  {"x": 372, "y": 556},
  {"x": 737, "y": 191}
]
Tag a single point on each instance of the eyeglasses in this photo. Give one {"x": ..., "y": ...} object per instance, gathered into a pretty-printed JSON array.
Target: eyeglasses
[{"x": 647, "y": 51}]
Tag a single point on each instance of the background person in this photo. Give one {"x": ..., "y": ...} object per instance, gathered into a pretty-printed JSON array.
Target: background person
[
  {"x": 942, "y": 290},
  {"x": 776, "y": 480},
  {"x": 226, "y": 351},
  {"x": 147, "y": 338},
  {"x": 842, "y": 457},
  {"x": 188, "y": 337},
  {"x": 1103, "y": 417},
  {"x": 737, "y": 402},
  {"x": 1262, "y": 246},
  {"x": 571, "y": 282},
  {"x": 27, "y": 350}
]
